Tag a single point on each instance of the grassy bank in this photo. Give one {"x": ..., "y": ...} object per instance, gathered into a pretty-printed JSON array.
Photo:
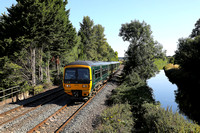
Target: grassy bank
[{"x": 133, "y": 109}]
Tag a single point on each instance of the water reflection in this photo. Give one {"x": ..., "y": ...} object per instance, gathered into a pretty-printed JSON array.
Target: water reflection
[{"x": 163, "y": 90}]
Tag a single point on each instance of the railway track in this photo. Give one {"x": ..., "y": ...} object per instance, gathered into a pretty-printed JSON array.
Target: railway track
[
  {"x": 57, "y": 121},
  {"x": 54, "y": 115},
  {"x": 19, "y": 111}
]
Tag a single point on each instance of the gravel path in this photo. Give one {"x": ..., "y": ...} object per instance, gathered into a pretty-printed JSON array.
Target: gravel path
[{"x": 87, "y": 118}]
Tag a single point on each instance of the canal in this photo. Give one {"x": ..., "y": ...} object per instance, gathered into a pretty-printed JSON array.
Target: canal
[{"x": 163, "y": 90}]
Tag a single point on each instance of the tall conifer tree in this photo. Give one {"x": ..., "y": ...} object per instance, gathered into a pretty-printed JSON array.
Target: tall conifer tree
[
  {"x": 86, "y": 32},
  {"x": 36, "y": 26}
]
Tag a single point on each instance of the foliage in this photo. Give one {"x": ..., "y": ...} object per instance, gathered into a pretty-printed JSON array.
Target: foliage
[
  {"x": 93, "y": 44},
  {"x": 187, "y": 55},
  {"x": 196, "y": 30},
  {"x": 43, "y": 31},
  {"x": 133, "y": 90},
  {"x": 187, "y": 93},
  {"x": 142, "y": 51},
  {"x": 38, "y": 89},
  {"x": 86, "y": 32},
  {"x": 160, "y": 63},
  {"x": 187, "y": 77},
  {"x": 115, "y": 119},
  {"x": 147, "y": 115},
  {"x": 160, "y": 120},
  {"x": 10, "y": 73},
  {"x": 170, "y": 59},
  {"x": 37, "y": 39}
]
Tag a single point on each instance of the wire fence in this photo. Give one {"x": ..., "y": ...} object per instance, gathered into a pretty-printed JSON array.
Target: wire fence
[{"x": 9, "y": 93}]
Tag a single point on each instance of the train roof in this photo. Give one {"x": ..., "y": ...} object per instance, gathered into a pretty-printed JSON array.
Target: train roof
[{"x": 92, "y": 63}]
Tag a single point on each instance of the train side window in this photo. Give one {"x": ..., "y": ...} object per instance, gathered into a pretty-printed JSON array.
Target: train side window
[
  {"x": 93, "y": 73},
  {"x": 97, "y": 74},
  {"x": 105, "y": 71}
]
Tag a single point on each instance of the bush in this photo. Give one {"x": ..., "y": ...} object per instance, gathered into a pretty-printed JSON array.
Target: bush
[
  {"x": 160, "y": 63},
  {"x": 47, "y": 85},
  {"x": 38, "y": 89},
  {"x": 115, "y": 119},
  {"x": 160, "y": 120},
  {"x": 133, "y": 90}
]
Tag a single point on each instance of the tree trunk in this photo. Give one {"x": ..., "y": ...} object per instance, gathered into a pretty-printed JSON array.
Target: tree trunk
[
  {"x": 48, "y": 72},
  {"x": 33, "y": 66},
  {"x": 40, "y": 65},
  {"x": 57, "y": 65}
]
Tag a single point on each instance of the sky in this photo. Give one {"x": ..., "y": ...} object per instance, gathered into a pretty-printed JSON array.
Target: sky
[{"x": 169, "y": 19}]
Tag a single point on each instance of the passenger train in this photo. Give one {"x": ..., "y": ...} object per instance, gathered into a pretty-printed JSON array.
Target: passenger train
[{"x": 80, "y": 78}]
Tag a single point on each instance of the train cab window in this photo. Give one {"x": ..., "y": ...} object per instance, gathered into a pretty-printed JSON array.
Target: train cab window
[
  {"x": 77, "y": 75},
  {"x": 83, "y": 73},
  {"x": 70, "y": 74}
]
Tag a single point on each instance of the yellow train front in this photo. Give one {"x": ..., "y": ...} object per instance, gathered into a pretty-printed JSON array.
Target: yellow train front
[{"x": 81, "y": 77}]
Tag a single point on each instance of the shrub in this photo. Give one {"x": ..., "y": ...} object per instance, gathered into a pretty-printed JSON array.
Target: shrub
[
  {"x": 47, "y": 85},
  {"x": 38, "y": 89},
  {"x": 133, "y": 90},
  {"x": 115, "y": 119},
  {"x": 160, "y": 120},
  {"x": 160, "y": 63}
]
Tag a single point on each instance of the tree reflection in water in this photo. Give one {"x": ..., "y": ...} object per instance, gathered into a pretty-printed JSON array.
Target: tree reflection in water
[{"x": 187, "y": 94}]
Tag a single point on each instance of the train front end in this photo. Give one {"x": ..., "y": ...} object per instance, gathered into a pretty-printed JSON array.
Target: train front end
[{"x": 77, "y": 80}]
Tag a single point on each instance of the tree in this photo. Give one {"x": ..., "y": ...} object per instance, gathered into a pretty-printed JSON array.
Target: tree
[
  {"x": 86, "y": 32},
  {"x": 196, "y": 30},
  {"x": 20, "y": 26},
  {"x": 187, "y": 76},
  {"x": 187, "y": 55},
  {"x": 101, "y": 43},
  {"x": 35, "y": 31},
  {"x": 142, "y": 49}
]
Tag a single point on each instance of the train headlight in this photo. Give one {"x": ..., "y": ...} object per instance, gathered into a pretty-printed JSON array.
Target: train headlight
[
  {"x": 68, "y": 86},
  {"x": 85, "y": 86}
]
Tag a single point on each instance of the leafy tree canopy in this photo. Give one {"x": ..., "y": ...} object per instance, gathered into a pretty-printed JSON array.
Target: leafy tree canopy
[
  {"x": 142, "y": 49},
  {"x": 196, "y": 30}
]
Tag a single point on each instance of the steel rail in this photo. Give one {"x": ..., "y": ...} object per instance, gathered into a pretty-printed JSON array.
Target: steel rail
[
  {"x": 21, "y": 106},
  {"x": 48, "y": 100},
  {"x": 77, "y": 111},
  {"x": 43, "y": 122},
  {"x": 58, "y": 111}
]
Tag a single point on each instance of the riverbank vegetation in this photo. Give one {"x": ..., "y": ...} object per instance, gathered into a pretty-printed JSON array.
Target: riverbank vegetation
[
  {"x": 171, "y": 66},
  {"x": 37, "y": 39},
  {"x": 147, "y": 115},
  {"x": 160, "y": 63},
  {"x": 187, "y": 76}
]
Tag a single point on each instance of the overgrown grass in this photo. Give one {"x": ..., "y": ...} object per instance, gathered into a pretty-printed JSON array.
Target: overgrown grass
[
  {"x": 160, "y": 120},
  {"x": 116, "y": 119}
]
